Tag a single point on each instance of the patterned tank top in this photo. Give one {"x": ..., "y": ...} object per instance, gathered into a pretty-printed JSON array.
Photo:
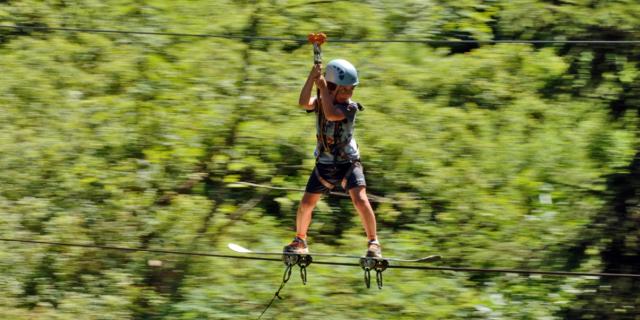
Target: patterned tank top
[{"x": 336, "y": 141}]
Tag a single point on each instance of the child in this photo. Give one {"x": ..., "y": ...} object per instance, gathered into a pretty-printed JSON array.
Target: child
[{"x": 337, "y": 155}]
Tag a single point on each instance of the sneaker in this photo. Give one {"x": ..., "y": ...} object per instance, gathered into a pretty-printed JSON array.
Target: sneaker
[
  {"x": 297, "y": 246},
  {"x": 374, "y": 250}
]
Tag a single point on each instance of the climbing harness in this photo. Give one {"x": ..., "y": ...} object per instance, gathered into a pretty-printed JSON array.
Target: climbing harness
[{"x": 345, "y": 179}]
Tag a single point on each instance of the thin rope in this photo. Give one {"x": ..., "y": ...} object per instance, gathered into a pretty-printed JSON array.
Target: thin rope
[
  {"x": 372, "y": 197},
  {"x": 304, "y": 40},
  {"x": 413, "y": 267},
  {"x": 95, "y": 246},
  {"x": 285, "y": 278}
]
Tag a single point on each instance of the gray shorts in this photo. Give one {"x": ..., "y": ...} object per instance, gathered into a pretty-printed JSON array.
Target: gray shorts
[{"x": 327, "y": 177}]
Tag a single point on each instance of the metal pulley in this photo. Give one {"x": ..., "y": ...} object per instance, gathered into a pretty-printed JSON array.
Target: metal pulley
[
  {"x": 379, "y": 265},
  {"x": 317, "y": 39}
]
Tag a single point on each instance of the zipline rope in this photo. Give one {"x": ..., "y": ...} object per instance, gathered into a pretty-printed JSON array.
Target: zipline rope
[
  {"x": 412, "y": 267},
  {"x": 304, "y": 40}
]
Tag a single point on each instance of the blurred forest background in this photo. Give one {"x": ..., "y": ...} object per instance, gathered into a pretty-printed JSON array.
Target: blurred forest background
[{"x": 511, "y": 155}]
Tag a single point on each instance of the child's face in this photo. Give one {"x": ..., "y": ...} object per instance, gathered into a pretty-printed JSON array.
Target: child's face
[{"x": 344, "y": 93}]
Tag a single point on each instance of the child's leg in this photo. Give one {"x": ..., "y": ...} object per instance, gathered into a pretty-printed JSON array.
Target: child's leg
[
  {"x": 361, "y": 202},
  {"x": 303, "y": 216}
]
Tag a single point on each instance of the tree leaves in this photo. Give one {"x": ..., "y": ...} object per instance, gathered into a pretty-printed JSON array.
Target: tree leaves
[{"x": 493, "y": 155}]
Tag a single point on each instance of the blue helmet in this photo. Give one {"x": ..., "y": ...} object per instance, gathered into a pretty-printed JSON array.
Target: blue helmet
[{"x": 341, "y": 72}]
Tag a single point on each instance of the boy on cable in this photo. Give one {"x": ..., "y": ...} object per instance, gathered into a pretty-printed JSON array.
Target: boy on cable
[{"x": 337, "y": 155}]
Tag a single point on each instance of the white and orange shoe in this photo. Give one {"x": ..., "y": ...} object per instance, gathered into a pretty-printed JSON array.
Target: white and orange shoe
[
  {"x": 374, "y": 249},
  {"x": 297, "y": 246}
]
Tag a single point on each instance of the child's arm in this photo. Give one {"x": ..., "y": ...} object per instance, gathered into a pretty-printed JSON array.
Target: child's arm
[
  {"x": 306, "y": 101},
  {"x": 330, "y": 111}
]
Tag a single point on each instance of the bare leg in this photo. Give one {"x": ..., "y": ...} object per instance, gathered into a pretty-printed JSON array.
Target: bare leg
[
  {"x": 303, "y": 216},
  {"x": 361, "y": 202}
]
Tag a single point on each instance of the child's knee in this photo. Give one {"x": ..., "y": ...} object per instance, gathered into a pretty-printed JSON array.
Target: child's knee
[
  {"x": 308, "y": 201},
  {"x": 360, "y": 200}
]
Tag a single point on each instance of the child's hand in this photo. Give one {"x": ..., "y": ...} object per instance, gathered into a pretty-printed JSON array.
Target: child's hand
[
  {"x": 321, "y": 83},
  {"x": 316, "y": 72}
]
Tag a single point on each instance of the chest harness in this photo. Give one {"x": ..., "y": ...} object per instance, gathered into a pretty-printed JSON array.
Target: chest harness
[{"x": 333, "y": 144}]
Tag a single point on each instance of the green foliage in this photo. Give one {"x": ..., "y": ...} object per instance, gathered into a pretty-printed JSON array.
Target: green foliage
[{"x": 492, "y": 156}]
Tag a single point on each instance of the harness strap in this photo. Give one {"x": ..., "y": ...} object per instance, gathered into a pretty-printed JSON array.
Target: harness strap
[
  {"x": 336, "y": 137},
  {"x": 344, "y": 181},
  {"x": 322, "y": 180},
  {"x": 322, "y": 123},
  {"x": 348, "y": 175}
]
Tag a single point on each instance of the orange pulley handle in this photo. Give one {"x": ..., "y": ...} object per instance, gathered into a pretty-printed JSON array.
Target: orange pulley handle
[{"x": 317, "y": 39}]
